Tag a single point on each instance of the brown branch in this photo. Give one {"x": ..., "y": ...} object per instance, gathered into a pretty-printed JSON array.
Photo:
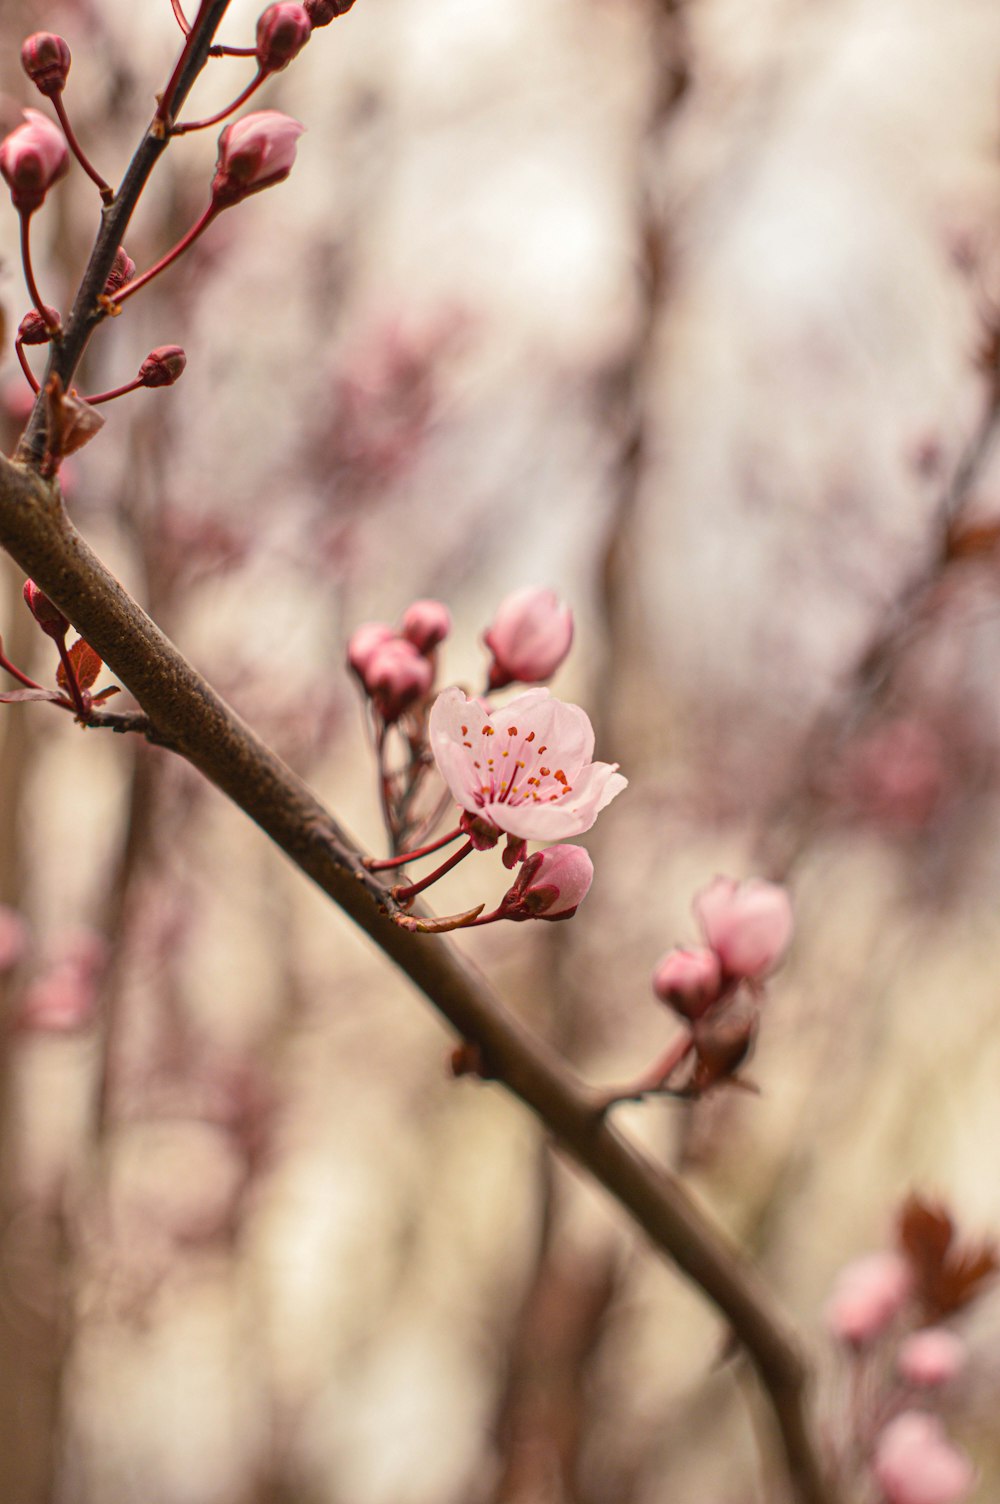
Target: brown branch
[{"x": 187, "y": 714}]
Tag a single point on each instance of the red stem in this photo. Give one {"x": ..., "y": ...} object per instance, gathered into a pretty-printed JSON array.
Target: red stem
[
  {"x": 200, "y": 125},
  {"x": 19, "y": 349},
  {"x": 382, "y": 864},
  {"x": 72, "y": 683},
  {"x": 118, "y": 391},
  {"x": 16, "y": 673},
  {"x": 107, "y": 192},
  {"x": 405, "y": 894},
  {"x": 180, "y": 17},
  {"x": 164, "y": 261},
  {"x": 29, "y": 275}
]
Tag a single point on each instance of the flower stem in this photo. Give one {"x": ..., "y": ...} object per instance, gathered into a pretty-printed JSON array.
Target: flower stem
[
  {"x": 652, "y": 1080},
  {"x": 72, "y": 683},
  {"x": 29, "y": 373},
  {"x": 382, "y": 864},
  {"x": 29, "y": 275},
  {"x": 404, "y": 894},
  {"x": 118, "y": 391},
  {"x": 200, "y": 125},
  {"x": 182, "y": 245},
  {"x": 107, "y": 192},
  {"x": 16, "y": 673},
  {"x": 221, "y": 50},
  {"x": 180, "y": 17}
]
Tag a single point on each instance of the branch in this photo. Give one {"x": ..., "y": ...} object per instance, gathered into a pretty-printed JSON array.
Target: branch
[{"x": 185, "y": 713}]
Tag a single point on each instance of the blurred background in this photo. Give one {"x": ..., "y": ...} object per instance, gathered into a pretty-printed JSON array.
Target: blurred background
[{"x": 691, "y": 312}]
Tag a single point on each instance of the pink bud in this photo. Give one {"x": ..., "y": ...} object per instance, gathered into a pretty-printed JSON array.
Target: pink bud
[
  {"x": 64, "y": 998},
  {"x": 122, "y": 271},
  {"x": 34, "y": 330},
  {"x": 13, "y": 937},
  {"x": 362, "y": 643},
  {"x": 748, "y": 925},
  {"x": 48, "y": 616},
  {"x": 396, "y": 675},
  {"x": 915, "y": 1463},
  {"x": 45, "y": 58},
  {"x": 868, "y": 1295},
  {"x": 32, "y": 158},
  {"x": 282, "y": 32},
  {"x": 254, "y": 153},
  {"x": 162, "y": 366},
  {"x": 931, "y": 1357},
  {"x": 689, "y": 980},
  {"x": 322, "y": 12},
  {"x": 552, "y": 884},
  {"x": 425, "y": 624},
  {"x": 529, "y": 637}
]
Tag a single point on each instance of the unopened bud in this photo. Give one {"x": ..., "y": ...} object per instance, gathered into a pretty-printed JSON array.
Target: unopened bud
[
  {"x": 552, "y": 884},
  {"x": 396, "y": 676},
  {"x": 322, "y": 12},
  {"x": 48, "y": 616},
  {"x": 34, "y": 330},
  {"x": 282, "y": 32},
  {"x": 688, "y": 980},
  {"x": 254, "y": 153},
  {"x": 45, "y": 58},
  {"x": 362, "y": 643},
  {"x": 931, "y": 1357},
  {"x": 529, "y": 637},
  {"x": 868, "y": 1294},
  {"x": 32, "y": 158},
  {"x": 122, "y": 271},
  {"x": 162, "y": 366},
  {"x": 748, "y": 925},
  {"x": 426, "y": 624},
  {"x": 915, "y": 1463}
]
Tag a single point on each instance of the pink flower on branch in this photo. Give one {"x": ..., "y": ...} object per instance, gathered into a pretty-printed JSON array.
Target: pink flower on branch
[
  {"x": 526, "y": 768},
  {"x": 915, "y": 1463},
  {"x": 868, "y": 1295},
  {"x": 529, "y": 637},
  {"x": 254, "y": 153},
  {"x": 552, "y": 884},
  {"x": 32, "y": 158},
  {"x": 931, "y": 1357},
  {"x": 748, "y": 925}
]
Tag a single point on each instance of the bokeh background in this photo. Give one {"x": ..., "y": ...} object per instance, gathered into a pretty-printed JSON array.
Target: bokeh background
[{"x": 685, "y": 310}]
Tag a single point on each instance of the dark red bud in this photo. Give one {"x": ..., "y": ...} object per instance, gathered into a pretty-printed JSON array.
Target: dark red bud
[
  {"x": 282, "y": 32},
  {"x": 33, "y": 329},
  {"x": 122, "y": 271},
  {"x": 322, "y": 12},
  {"x": 162, "y": 366},
  {"x": 45, "y": 58},
  {"x": 48, "y": 616}
]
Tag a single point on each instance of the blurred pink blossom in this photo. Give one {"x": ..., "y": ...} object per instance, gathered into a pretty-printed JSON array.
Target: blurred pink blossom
[
  {"x": 748, "y": 924},
  {"x": 915, "y": 1463},
  {"x": 362, "y": 644},
  {"x": 529, "y": 637},
  {"x": 32, "y": 158},
  {"x": 931, "y": 1357},
  {"x": 395, "y": 675},
  {"x": 868, "y": 1294},
  {"x": 426, "y": 624},
  {"x": 689, "y": 980},
  {"x": 525, "y": 768},
  {"x": 64, "y": 998}
]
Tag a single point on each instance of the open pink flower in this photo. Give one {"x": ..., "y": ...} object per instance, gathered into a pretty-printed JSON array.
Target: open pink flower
[
  {"x": 525, "y": 768},
  {"x": 915, "y": 1463}
]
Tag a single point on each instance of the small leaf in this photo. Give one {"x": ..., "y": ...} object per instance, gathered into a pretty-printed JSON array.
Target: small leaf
[
  {"x": 105, "y": 694},
  {"x": 86, "y": 664},
  {"x": 15, "y": 696}
]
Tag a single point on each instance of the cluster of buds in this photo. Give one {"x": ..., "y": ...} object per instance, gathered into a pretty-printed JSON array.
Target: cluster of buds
[
  {"x": 715, "y": 988},
  {"x": 524, "y": 770},
  {"x": 889, "y": 1311}
]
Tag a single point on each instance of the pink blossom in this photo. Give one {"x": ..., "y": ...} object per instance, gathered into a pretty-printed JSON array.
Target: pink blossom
[
  {"x": 748, "y": 925},
  {"x": 552, "y": 884},
  {"x": 396, "y": 675},
  {"x": 526, "y": 768},
  {"x": 426, "y": 624},
  {"x": 363, "y": 641},
  {"x": 931, "y": 1357},
  {"x": 689, "y": 980},
  {"x": 529, "y": 638},
  {"x": 64, "y": 998},
  {"x": 254, "y": 153},
  {"x": 13, "y": 937},
  {"x": 915, "y": 1463},
  {"x": 283, "y": 29},
  {"x": 32, "y": 158},
  {"x": 868, "y": 1295},
  {"x": 46, "y": 60}
]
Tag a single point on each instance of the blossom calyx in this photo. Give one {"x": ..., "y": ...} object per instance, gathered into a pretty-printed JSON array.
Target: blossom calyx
[
  {"x": 47, "y": 615},
  {"x": 46, "y": 58},
  {"x": 254, "y": 153},
  {"x": 162, "y": 366},
  {"x": 552, "y": 884},
  {"x": 748, "y": 924},
  {"x": 688, "y": 980},
  {"x": 426, "y": 624},
  {"x": 322, "y": 12},
  {"x": 36, "y": 330},
  {"x": 122, "y": 271},
  {"x": 526, "y": 767},
  {"x": 282, "y": 32},
  {"x": 529, "y": 637},
  {"x": 32, "y": 158}
]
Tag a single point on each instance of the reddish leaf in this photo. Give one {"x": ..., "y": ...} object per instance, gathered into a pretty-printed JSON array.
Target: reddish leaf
[
  {"x": 948, "y": 1274},
  {"x": 105, "y": 694},
  {"x": 86, "y": 664},
  {"x": 14, "y": 696}
]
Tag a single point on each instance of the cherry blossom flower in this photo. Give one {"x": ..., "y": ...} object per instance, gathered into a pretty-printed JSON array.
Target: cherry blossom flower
[
  {"x": 748, "y": 925},
  {"x": 915, "y": 1463},
  {"x": 689, "y": 980},
  {"x": 32, "y": 158},
  {"x": 552, "y": 884},
  {"x": 868, "y": 1295},
  {"x": 426, "y": 624},
  {"x": 254, "y": 152},
  {"x": 529, "y": 637},
  {"x": 396, "y": 675},
  {"x": 525, "y": 768}
]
